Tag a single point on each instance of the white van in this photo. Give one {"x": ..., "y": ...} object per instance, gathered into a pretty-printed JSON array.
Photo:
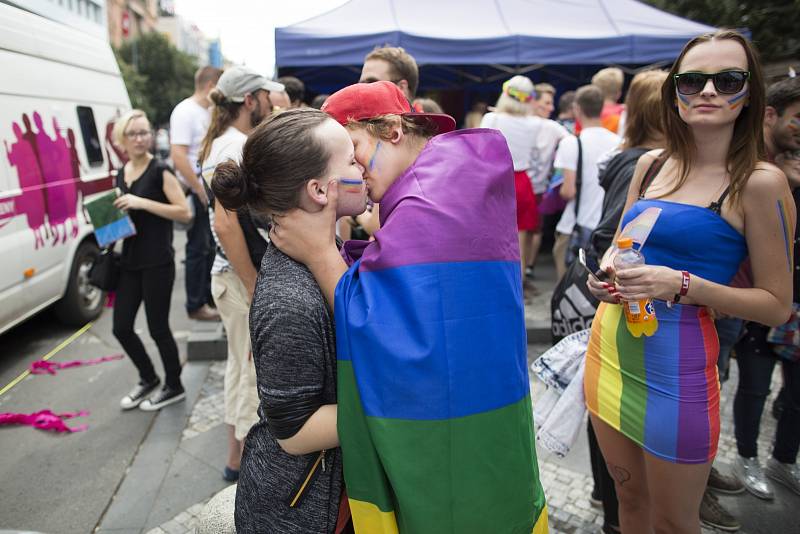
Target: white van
[{"x": 60, "y": 91}]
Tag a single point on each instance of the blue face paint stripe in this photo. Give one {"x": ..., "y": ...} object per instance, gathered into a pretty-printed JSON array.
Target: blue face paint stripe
[
  {"x": 350, "y": 181},
  {"x": 374, "y": 155},
  {"x": 737, "y": 97}
]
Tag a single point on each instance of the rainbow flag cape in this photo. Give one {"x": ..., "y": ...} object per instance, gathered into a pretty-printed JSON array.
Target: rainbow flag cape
[{"x": 434, "y": 412}]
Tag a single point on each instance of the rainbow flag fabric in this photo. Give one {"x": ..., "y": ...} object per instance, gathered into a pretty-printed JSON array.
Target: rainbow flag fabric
[
  {"x": 435, "y": 416},
  {"x": 660, "y": 391}
]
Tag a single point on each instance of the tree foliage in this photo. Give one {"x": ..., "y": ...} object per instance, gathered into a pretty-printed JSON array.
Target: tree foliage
[
  {"x": 157, "y": 75},
  {"x": 773, "y": 24}
]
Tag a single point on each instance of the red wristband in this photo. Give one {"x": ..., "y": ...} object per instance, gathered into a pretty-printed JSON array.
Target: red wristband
[{"x": 684, "y": 283}]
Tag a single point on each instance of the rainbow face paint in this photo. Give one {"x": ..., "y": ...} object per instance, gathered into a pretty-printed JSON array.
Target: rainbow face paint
[
  {"x": 794, "y": 124},
  {"x": 374, "y": 156},
  {"x": 737, "y": 100},
  {"x": 350, "y": 185},
  {"x": 785, "y": 230},
  {"x": 683, "y": 101},
  {"x": 352, "y": 197}
]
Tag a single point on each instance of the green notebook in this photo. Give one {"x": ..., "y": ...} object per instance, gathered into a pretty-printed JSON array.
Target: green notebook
[{"x": 110, "y": 223}]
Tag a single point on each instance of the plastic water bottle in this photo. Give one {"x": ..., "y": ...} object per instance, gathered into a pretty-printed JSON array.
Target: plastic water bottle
[{"x": 639, "y": 314}]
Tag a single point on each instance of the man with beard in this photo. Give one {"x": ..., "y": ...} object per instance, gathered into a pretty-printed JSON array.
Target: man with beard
[{"x": 242, "y": 100}]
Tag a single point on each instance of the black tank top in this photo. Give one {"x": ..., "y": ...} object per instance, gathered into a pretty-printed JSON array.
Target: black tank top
[{"x": 152, "y": 244}]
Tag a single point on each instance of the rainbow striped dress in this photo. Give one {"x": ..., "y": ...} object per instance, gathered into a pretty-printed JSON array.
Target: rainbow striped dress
[
  {"x": 434, "y": 406},
  {"x": 662, "y": 391}
]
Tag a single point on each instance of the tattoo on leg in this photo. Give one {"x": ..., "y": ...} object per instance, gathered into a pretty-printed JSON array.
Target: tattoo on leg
[{"x": 620, "y": 474}]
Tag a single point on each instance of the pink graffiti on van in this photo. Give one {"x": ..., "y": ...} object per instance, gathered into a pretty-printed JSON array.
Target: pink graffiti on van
[{"x": 49, "y": 173}]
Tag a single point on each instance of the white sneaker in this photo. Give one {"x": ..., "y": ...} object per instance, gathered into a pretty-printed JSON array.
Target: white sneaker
[
  {"x": 162, "y": 398},
  {"x": 786, "y": 474},
  {"x": 138, "y": 394},
  {"x": 750, "y": 473}
]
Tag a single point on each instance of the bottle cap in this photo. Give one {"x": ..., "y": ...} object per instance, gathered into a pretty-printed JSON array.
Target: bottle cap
[{"x": 625, "y": 242}]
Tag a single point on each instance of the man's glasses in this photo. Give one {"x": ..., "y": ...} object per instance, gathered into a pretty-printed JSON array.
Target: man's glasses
[
  {"x": 727, "y": 82},
  {"x": 142, "y": 134}
]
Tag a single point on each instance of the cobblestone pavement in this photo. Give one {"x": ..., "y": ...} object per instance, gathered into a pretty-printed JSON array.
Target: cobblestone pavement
[
  {"x": 208, "y": 411},
  {"x": 567, "y": 489}
]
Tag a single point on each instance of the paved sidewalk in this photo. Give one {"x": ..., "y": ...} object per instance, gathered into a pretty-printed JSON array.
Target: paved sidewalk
[
  {"x": 193, "y": 474},
  {"x": 567, "y": 481}
]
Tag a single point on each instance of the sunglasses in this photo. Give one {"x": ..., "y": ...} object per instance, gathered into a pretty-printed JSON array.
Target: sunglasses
[{"x": 727, "y": 82}]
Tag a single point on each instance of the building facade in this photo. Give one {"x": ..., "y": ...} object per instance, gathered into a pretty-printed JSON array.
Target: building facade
[
  {"x": 86, "y": 15},
  {"x": 127, "y": 19}
]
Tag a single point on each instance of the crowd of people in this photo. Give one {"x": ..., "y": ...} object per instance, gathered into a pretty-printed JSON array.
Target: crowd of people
[{"x": 411, "y": 411}]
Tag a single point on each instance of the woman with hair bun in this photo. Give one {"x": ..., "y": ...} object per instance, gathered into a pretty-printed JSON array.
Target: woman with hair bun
[
  {"x": 434, "y": 398},
  {"x": 291, "y": 470}
]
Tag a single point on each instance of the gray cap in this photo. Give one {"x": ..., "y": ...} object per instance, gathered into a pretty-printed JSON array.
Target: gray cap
[{"x": 237, "y": 82}]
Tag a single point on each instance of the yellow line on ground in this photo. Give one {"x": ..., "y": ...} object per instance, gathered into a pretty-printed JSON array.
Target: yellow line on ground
[{"x": 47, "y": 356}]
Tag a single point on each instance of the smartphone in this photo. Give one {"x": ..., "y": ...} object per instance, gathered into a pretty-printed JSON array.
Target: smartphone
[{"x": 592, "y": 267}]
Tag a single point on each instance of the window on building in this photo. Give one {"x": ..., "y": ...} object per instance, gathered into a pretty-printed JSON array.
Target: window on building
[{"x": 91, "y": 141}]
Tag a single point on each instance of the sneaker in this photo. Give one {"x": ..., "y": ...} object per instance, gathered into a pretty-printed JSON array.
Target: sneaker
[
  {"x": 750, "y": 473},
  {"x": 204, "y": 313},
  {"x": 786, "y": 474},
  {"x": 230, "y": 475},
  {"x": 727, "y": 484},
  {"x": 168, "y": 395},
  {"x": 529, "y": 273},
  {"x": 712, "y": 514},
  {"x": 138, "y": 394}
]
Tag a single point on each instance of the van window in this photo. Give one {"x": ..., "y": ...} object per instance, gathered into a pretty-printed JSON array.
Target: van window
[{"x": 91, "y": 141}]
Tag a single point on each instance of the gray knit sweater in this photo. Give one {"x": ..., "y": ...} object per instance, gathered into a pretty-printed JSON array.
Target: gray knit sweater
[{"x": 294, "y": 349}]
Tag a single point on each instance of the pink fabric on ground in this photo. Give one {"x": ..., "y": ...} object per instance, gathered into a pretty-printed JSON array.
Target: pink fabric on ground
[
  {"x": 44, "y": 420},
  {"x": 40, "y": 367}
]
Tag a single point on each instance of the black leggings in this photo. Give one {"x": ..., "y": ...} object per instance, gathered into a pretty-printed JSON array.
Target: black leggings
[
  {"x": 154, "y": 286},
  {"x": 756, "y": 363}
]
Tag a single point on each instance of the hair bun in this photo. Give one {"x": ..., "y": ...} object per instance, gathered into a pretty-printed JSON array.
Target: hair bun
[{"x": 230, "y": 186}]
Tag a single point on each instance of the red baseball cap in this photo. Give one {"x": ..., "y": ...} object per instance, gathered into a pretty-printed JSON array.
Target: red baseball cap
[{"x": 362, "y": 101}]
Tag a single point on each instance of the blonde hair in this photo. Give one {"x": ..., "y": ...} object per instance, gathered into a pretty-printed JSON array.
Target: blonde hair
[
  {"x": 544, "y": 88},
  {"x": 381, "y": 126},
  {"x": 121, "y": 124},
  {"x": 428, "y": 105},
  {"x": 508, "y": 104},
  {"x": 643, "y": 106},
  {"x": 610, "y": 81}
]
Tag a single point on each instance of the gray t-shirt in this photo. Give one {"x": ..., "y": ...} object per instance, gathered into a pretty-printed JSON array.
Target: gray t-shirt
[{"x": 294, "y": 349}]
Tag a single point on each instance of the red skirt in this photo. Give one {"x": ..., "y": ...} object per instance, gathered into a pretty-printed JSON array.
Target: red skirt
[{"x": 527, "y": 210}]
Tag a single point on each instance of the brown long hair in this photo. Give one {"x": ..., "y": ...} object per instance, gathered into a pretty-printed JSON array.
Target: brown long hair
[
  {"x": 222, "y": 116},
  {"x": 747, "y": 145},
  {"x": 643, "y": 109},
  {"x": 280, "y": 156}
]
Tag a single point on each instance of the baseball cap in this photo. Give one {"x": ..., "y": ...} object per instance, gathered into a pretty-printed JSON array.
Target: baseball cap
[
  {"x": 237, "y": 82},
  {"x": 368, "y": 100}
]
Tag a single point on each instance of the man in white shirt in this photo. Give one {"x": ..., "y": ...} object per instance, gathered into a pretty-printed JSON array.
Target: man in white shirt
[
  {"x": 595, "y": 141},
  {"x": 188, "y": 124},
  {"x": 549, "y": 136}
]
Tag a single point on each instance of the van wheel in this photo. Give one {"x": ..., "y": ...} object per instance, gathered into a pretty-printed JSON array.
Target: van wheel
[{"x": 82, "y": 302}]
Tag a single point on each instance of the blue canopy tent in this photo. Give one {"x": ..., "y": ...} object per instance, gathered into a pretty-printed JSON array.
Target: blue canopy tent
[{"x": 474, "y": 45}]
